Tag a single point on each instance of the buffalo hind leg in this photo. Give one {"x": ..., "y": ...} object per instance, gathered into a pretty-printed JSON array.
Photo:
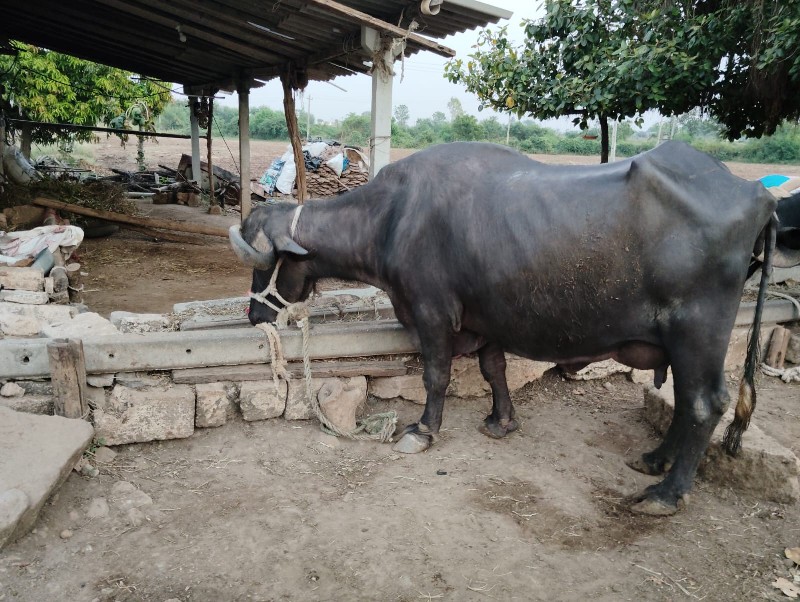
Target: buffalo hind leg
[
  {"x": 701, "y": 398},
  {"x": 493, "y": 368},
  {"x": 436, "y": 348}
]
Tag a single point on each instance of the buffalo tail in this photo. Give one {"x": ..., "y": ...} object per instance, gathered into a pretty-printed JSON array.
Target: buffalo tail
[{"x": 746, "y": 404}]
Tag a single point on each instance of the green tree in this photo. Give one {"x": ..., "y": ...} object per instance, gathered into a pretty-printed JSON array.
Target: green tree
[
  {"x": 455, "y": 109},
  {"x": 356, "y": 129},
  {"x": 40, "y": 85},
  {"x": 591, "y": 60},
  {"x": 466, "y": 127},
  {"x": 402, "y": 115}
]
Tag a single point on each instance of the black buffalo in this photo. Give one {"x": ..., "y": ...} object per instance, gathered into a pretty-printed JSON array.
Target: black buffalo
[{"x": 482, "y": 249}]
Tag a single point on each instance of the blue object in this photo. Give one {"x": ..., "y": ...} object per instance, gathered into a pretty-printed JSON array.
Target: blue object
[{"x": 773, "y": 180}]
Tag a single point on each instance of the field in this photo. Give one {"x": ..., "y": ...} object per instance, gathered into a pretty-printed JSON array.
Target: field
[{"x": 276, "y": 510}]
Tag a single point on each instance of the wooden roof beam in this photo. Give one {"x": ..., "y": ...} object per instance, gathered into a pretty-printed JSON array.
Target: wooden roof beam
[{"x": 364, "y": 19}]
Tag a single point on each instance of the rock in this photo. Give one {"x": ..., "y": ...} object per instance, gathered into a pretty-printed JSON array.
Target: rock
[
  {"x": 29, "y": 297},
  {"x": 521, "y": 371},
  {"x": 215, "y": 210},
  {"x": 82, "y": 325},
  {"x": 763, "y": 467},
  {"x": 297, "y": 405},
  {"x": 213, "y": 405},
  {"x": 340, "y": 398},
  {"x": 793, "y": 351},
  {"x": 37, "y": 454},
  {"x": 65, "y": 534},
  {"x": 125, "y": 496},
  {"x": 131, "y": 322},
  {"x": 598, "y": 370},
  {"x": 640, "y": 377},
  {"x": 24, "y": 215},
  {"x": 135, "y": 517},
  {"x": 11, "y": 390},
  {"x": 258, "y": 400},
  {"x": 100, "y": 380},
  {"x": 30, "y": 404},
  {"x": 104, "y": 455},
  {"x": 98, "y": 508},
  {"x": 88, "y": 470},
  {"x": 21, "y": 279},
  {"x": 407, "y": 387},
  {"x": 157, "y": 413},
  {"x": 17, "y": 320}
]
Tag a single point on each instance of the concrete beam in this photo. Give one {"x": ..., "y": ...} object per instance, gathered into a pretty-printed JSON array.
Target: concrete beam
[{"x": 193, "y": 349}]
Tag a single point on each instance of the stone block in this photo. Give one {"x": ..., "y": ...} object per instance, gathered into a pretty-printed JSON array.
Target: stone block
[
  {"x": 141, "y": 380},
  {"x": 213, "y": 405},
  {"x": 258, "y": 400},
  {"x": 30, "y": 404},
  {"x": 11, "y": 390},
  {"x": 126, "y": 321},
  {"x": 157, "y": 413},
  {"x": 409, "y": 387},
  {"x": 340, "y": 399},
  {"x": 737, "y": 348},
  {"x": 88, "y": 324},
  {"x": 298, "y": 406},
  {"x": 100, "y": 380},
  {"x": 17, "y": 319},
  {"x": 28, "y": 297},
  {"x": 793, "y": 351},
  {"x": 37, "y": 453},
  {"x": 21, "y": 279},
  {"x": 763, "y": 467}
]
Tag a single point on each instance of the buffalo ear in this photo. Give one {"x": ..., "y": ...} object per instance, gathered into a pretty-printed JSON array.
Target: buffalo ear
[{"x": 286, "y": 245}]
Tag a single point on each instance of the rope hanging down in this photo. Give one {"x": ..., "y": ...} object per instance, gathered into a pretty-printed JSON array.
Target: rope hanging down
[{"x": 377, "y": 427}]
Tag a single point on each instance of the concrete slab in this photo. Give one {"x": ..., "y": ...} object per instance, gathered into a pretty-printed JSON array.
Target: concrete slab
[
  {"x": 84, "y": 325},
  {"x": 763, "y": 466},
  {"x": 37, "y": 454}
]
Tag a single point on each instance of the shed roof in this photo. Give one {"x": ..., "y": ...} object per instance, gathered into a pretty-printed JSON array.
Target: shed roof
[{"x": 213, "y": 43}]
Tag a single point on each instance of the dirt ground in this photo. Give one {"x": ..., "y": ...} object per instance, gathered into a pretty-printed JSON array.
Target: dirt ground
[{"x": 277, "y": 510}]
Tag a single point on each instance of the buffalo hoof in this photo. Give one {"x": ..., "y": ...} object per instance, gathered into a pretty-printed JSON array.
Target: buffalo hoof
[
  {"x": 649, "y": 503},
  {"x": 496, "y": 429},
  {"x": 647, "y": 464},
  {"x": 413, "y": 440}
]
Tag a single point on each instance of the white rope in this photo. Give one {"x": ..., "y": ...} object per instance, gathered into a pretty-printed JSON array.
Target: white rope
[
  {"x": 787, "y": 375},
  {"x": 377, "y": 427}
]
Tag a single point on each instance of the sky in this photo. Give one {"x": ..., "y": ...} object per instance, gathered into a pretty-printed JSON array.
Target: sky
[{"x": 423, "y": 88}]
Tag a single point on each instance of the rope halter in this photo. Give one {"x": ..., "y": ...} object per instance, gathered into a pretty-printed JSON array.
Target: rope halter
[{"x": 378, "y": 427}]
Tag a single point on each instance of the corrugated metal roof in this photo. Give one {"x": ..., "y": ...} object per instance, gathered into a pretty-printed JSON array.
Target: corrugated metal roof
[{"x": 211, "y": 43}]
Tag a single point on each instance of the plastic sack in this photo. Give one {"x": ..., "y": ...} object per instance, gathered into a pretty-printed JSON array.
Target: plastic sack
[
  {"x": 338, "y": 164},
  {"x": 270, "y": 178}
]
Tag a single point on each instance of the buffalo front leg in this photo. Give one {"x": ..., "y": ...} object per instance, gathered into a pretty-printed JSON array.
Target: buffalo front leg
[
  {"x": 493, "y": 368},
  {"x": 436, "y": 349}
]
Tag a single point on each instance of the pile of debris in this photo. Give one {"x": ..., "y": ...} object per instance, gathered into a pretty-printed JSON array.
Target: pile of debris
[{"x": 331, "y": 169}]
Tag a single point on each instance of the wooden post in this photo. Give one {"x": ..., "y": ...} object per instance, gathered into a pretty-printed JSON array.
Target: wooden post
[
  {"x": 2, "y": 143},
  {"x": 244, "y": 146},
  {"x": 75, "y": 282},
  {"x": 294, "y": 136},
  {"x": 194, "y": 126},
  {"x": 778, "y": 344},
  {"x": 208, "y": 149},
  {"x": 68, "y": 376}
]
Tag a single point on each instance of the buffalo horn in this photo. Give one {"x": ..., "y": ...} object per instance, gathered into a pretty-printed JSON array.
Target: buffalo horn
[{"x": 247, "y": 254}]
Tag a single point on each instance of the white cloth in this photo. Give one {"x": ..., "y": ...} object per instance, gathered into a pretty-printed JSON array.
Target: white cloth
[{"x": 29, "y": 243}]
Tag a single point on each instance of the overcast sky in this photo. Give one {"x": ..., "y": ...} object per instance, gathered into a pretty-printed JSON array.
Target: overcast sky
[{"x": 424, "y": 90}]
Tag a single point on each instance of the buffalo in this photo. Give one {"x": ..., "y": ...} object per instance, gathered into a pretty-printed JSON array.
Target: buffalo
[{"x": 482, "y": 249}]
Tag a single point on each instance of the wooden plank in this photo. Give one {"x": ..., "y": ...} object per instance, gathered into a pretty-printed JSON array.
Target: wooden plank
[
  {"x": 68, "y": 377},
  {"x": 148, "y": 222},
  {"x": 778, "y": 344},
  {"x": 231, "y": 347},
  {"x": 370, "y": 21},
  {"x": 196, "y": 376}
]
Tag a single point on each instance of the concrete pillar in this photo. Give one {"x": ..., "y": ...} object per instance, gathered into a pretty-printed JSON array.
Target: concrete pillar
[
  {"x": 383, "y": 51},
  {"x": 243, "y": 89},
  {"x": 194, "y": 125}
]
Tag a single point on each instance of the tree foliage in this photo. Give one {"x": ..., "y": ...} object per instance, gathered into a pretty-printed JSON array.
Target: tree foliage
[
  {"x": 41, "y": 85},
  {"x": 616, "y": 59}
]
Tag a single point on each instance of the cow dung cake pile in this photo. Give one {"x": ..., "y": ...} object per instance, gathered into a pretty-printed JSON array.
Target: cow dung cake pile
[{"x": 324, "y": 182}]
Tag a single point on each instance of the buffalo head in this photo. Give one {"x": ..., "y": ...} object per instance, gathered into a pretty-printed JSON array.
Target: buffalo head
[{"x": 263, "y": 238}]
